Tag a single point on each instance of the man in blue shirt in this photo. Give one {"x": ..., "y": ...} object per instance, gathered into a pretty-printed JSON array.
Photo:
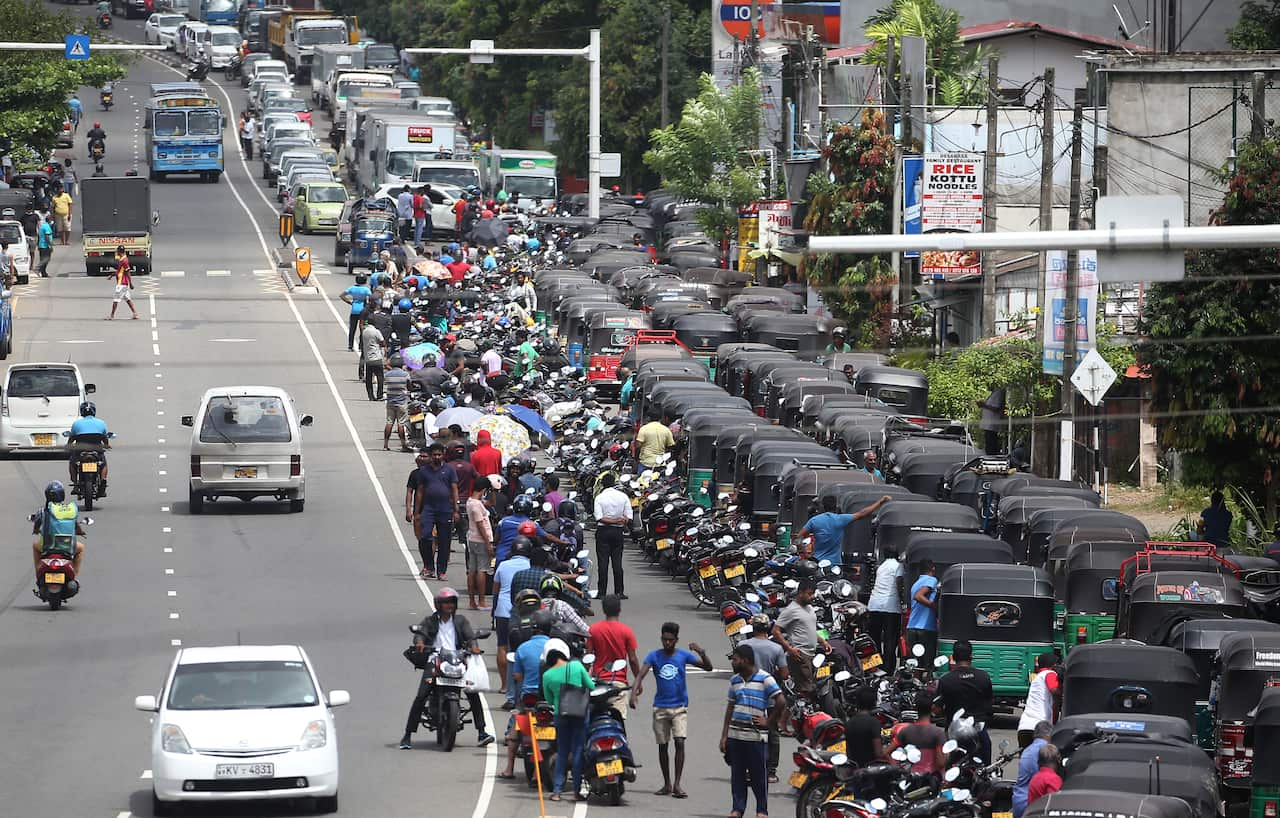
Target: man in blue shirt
[
  {"x": 436, "y": 499},
  {"x": 922, "y": 624},
  {"x": 509, "y": 526},
  {"x": 88, "y": 424},
  {"x": 628, "y": 387},
  {"x": 502, "y": 577},
  {"x": 44, "y": 243},
  {"x": 1028, "y": 765},
  {"x": 356, "y": 296},
  {"x": 670, "y": 700},
  {"x": 75, "y": 111},
  {"x": 527, "y": 675},
  {"x": 871, "y": 462},
  {"x": 828, "y": 528}
]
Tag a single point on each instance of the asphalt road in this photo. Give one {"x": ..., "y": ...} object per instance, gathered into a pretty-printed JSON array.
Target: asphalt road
[{"x": 339, "y": 579}]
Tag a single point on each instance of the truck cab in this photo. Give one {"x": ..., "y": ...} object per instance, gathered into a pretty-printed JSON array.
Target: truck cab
[
  {"x": 305, "y": 35},
  {"x": 531, "y": 174}
]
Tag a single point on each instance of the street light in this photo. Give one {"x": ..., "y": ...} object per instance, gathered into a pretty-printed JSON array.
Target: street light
[{"x": 482, "y": 51}]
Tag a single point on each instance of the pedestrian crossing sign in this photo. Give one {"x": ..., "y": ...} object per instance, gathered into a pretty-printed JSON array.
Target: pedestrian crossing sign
[
  {"x": 77, "y": 47},
  {"x": 302, "y": 263}
]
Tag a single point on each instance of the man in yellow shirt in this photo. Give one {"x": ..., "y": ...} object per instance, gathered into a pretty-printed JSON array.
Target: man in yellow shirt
[
  {"x": 62, "y": 216},
  {"x": 653, "y": 439}
]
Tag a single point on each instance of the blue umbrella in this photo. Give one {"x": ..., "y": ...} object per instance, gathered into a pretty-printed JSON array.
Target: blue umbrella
[{"x": 535, "y": 422}]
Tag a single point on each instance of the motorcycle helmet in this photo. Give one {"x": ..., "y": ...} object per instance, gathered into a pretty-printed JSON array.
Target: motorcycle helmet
[
  {"x": 544, "y": 621},
  {"x": 88, "y": 410},
  {"x": 807, "y": 569},
  {"x": 97, "y": 124},
  {"x": 437, "y": 405},
  {"x": 555, "y": 646},
  {"x": 521, "y": 547},
  {"x": 523, "y": 504},
  {"x": 55, "y": 492},
  {"x": 527, "y": 601},
  {"x": 534, "y": 245},
  {"x": 551, "y": 586},
  {"x": 616, "y": 451},
  {"x": 446, "y": 595},
  {"x": 406, "y": 304},
  {"x": 760, "y": 621},
  {"x": 528, "y": 529},
  {"x": 964, "y": 730},
  {"x": 568, "y": 510},
  {"x": 526, "y": 466},
  {"x": 396, "y": 361}
]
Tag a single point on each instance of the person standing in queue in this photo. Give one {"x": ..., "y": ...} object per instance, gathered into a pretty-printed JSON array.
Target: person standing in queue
[
  {"x": 797, "y": 631},
  {"x": 437, "y": 508},
  {"x": 828, "y": 528},
  {"x": 611, "y": 640},
  {"x": 396, "y": 382},
  {"x": 1029, "y": 765},
  {"x": 771, "y": 659},
  {"x": 755, "y": 704},
  {"x": 562, "y": 672},
  {"x": 1048, "y": 778},
  {"x": 357, "y": 295},
  {"x": 479, "y": 542},
  {"x": 885, "y": 607},
  {"x": 968, "y": 688},
  {"x": 1041, "y": 697},
  {"x": 670, "y": 701},
  {"x": 922, "y": 624},
  {"x": 653, "y": 439},
  {"x": 613, "y": 514},
  {"x": 44, "y": 243}
]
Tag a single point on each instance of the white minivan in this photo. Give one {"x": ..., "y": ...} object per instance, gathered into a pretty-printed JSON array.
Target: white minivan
[
  {"x": 246, "y": 443},
  {"x": 38, "y": 403}
]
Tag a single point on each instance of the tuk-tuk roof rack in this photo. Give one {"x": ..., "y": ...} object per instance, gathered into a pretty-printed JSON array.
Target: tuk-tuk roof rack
[
  {"x": 1155, "y": 548},
  {"x": 656, "y": 336},
  {"x": 991, "y": 464}
]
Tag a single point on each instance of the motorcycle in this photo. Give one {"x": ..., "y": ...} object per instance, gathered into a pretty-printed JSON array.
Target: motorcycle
[
  {"x": 90, "y": 460},
  {"x": 97, "y": 150},
  {"x": 198, "y": 72},
  {"x": 446, "y": 712},
  {"x": 608, "y": 765},
  {"x": 234, "y": 67},
  {"x": 104, "y": 21},
  {"x": 108, "y": 99},
  {"x": 56, "y": 576}
]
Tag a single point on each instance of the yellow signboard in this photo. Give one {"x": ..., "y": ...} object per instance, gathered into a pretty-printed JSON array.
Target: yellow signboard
[{"x": 302, "y": 263}]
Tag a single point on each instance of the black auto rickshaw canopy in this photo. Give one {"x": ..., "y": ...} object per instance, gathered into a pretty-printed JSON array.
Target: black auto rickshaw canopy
[
  {"x": 1097, "y": 519},
  {"x": 1087, "y": 577},
  {"x": 1089, "y": 803},
  {"x": 797, "y": 394},
  {"x": 897, "y": 520},
  {"x": 1014, "y": 515},
  {"x": 752, "y": 296},
  {"x": 768, "y": 467},
  {"x": 656, "y": 399},
  {"x": 732, "y": 362},
  {"x": 1071, "y": 731},
  {"x": 701, "y": 426},
  {"x": 850, "y": 362},
  {"x": 704, "y": 332},
  {"x": 1012, "y": 484},
  {"x": 1264, "y": 738},
  {"x": 922, "y": 471},
  {"x": 802, "y": 486},
  {"x": 986, "y": 602},
  {"x": 814, "y": 407},
  {"x": 730, "y": 441},
  {"x": 1040, "y": 490},
  {"x": 1248, "y": 663},
  {"x": 859, "y": 535},
  {"x": 665, "y": 314},
  {"x": 678, "y": 403},
  {"x": 907, "y": 390},
  {"x": 637, "y": 355},
  {"x": 1154, "y": 602},
  {"x": 750, "y": 460},
  {"x": 805, "y": 335},
  {"x": 757, "y": 380},
  {"x": 653, "y": 292},
  {"x": 779, "y": 378},
  {"x": 1201, "y": 639},
  {"x": 1040, "y": 526},
  {"x": 1123, "y": 676},
  {"x": 945, "y": 549},
  {"x": 1131, "y": 767}
]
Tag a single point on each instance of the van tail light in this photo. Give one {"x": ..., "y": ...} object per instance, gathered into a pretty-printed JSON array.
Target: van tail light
[
  {"x": 295, "y": 465},
  {"x": 195, "y": 465},
  {"x": 1082, "y": 634},
  {"x": 1268, "y": 809}
]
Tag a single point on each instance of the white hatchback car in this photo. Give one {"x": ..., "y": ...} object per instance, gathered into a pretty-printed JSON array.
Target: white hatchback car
[
  {"x": 38, "y": 403},
  {"x": 242, "y": 722},
  {"x": 161, "y": 28}
]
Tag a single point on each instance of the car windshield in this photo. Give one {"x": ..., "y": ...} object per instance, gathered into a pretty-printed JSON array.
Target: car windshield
[
  {"x": 204, "y": 123},
  {"x": 226, "y": 38},
  {"x": 331, "y": 35},
  {"x": 531, "y": 187},
  {"x": 381, "y": 54},
  {"x": 42, "y": 383},
  {"x": 277, "y": 150},
  {"x": 241, "y": 686},
  {"x": 455, "y": 177},
  {"x": 288, "y": 104},
  {"x": 328, "y": 195},
  {"x": 400, "y": 163},
  {"x": 170, "y": 20},
  {"x": 11, "y": 234},
  {"x": 245, "y": 419}
]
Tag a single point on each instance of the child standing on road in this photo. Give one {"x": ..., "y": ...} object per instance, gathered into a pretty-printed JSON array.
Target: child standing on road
[{"x": 124, "y": 283}]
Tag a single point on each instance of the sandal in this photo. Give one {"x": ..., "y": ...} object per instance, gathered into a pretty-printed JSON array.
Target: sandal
[
  {"x": 509, "y": 776},
  {"x": 555, "y": 796},
  {"x": 663, "y": 791},
  {"x": 679, "y": 794}
]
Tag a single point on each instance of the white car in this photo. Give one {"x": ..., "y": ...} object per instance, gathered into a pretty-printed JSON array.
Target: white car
[
  {"x": 191, "y": 39},
  {"x": 221, "y": 45},
  {"x": 442, "y": 199},
  {"x": 162, "y": 29},
  {"x": 11, "y": 233},
  {"x": 38, "y": 403},
  {"x": 242, "y": 722}
]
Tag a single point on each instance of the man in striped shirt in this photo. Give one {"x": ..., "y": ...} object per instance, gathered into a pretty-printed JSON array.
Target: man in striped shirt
[
  {"x": 397, "y": 386},
  {"x": 755, "y": 705}
]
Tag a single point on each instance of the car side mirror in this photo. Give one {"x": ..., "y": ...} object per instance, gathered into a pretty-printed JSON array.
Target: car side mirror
[
  {"x": 188, "y": 420},
  {"x": 89, "y": 388},
  {"x": 337, "y": 698},
  {"x": 146, "y": 704},
  {"x": 306, "y": 420}
]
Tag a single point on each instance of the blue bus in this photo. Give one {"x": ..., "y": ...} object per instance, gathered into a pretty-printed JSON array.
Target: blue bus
[
  {"x": 184, "y": 135},
  {"x": 219, "y": 12}
]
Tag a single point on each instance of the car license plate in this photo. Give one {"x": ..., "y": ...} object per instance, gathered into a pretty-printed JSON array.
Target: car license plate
[
  {"x": 823, "y": 672},
  {"x": 797, "y": 779},
  {"x": 244, "y": 771},
  {"x": 734, "y": 571},
  {"x": 544, "y": 733},
  {"x": 838, "y": 747},
  {"x": 872, "y": 661},
  {"x": 249, "y": 473},
  {"x": 662, "y": 545},
  {"x": 55, "y": 579},
  {"x": 609, "y": 767},
  {"x": 734, "y": 626},
  {"x": 43, "y": 439},
  {"x": 89, "y": 468},
  {"x": 707, "y": 571}
]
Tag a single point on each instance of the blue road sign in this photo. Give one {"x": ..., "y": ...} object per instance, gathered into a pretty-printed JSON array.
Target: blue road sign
[{"x": 77, "y": 47}]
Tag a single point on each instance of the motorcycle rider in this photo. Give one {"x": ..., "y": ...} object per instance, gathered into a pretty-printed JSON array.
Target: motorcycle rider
[
  {"x": 57, "y": 524},
  {"x": 98, "y": 137},
  {"x": 526, "y": 678},
  {"x": 88, "y": 424},
  {"x": 444, "y": 629},
  {"x": 567, "y": 618},
  {"x": 108, "y": 90},
  {"x": 104, "y": 13}
]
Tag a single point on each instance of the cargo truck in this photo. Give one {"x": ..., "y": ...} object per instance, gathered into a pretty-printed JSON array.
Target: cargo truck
[
  {"x": 532, "y": 174},
  {"x": 116, "y": 212},
  {"x": 351, "y": 123},
  {"x": 294, "y": 34},
  {"x": 325, "y": 60},
  {"x": 395, "y": 142}
]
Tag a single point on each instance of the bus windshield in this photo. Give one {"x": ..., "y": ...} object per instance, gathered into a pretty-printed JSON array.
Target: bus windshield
[
  {"x": 219, "y": 6},
  {"x": 171, "y": 123},
  {"x": 204, "y": 123}
]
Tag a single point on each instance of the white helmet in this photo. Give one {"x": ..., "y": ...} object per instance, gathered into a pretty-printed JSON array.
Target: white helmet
[{"x": 556, "y": 645}]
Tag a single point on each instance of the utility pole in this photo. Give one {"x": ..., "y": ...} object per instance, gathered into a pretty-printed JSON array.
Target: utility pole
[
  {"x": 1258, "y": 122},
  {"x": 1046, "y": 194},
  {"x": 1071, "y": 316},
  {"x": 905, "y": 278},
  {"x": 666, "y": 39},
  {"x": 989, "y": 198}
]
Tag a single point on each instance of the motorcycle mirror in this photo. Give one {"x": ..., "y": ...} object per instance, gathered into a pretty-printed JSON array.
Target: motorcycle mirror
[
  {"x": 819, "y": 660},
  {"x": 731, "y": 509},
  {"x": 726, "y": 539},
  {"x": 941, "y": 662},
  {"x": 899, "y": 755},
  {"x": 744, "y": 526},
  {"x": 155, "y": 217},
  {"x": 917, "y": 650},
  {"x": 903, "y": 785},
  {"x": 66, "y": 434},
  {"x": 952, "y": 773},
  {"x": 698, "y": 512},
  {"x": 88, "y": 521},
  {"x": 824, "y": 564},
  {"x": 667, "y": 509},
  {"x": 913, "y": 754},
  {"x": 573, "y": 494},
  {"x": 839, "y": 759},
  {"x": 582, "y": 580},
  {"x": 588, "y": 658},
  {"x": 529, "y": 492},
  {"x": 950, "y": 747},
  {"x": 791, "y": 585},
  {"x": 722, "y": 496},
  {"x": 1004, "y": 746},
  {"x": 583, "y": 554},
  {"x": 546, "y": 507},
  {"x": 835, "y": 569},
  {"x": 689, "y": 532},
  {"x": 626, "y": 478},
  {"x": 750, "y": 553},
  {"x": 766, "y": 581},
  {"x": 671, "y": 469},
  {"x": 511, "y": 656},
  {"x": 843, "y": 676},
  {"x": 593, "y": 593},
  {"x": 753, "y": 597},
  {"x": 652, "y": 497},
  {"x": 960, "y": 794},
  {"x": 618, "y": 664},
  {"x": 878, "y": 804},
  {"x": 844, "y": 588},
  {"x": 913, "y": 663},
  {"x": 415, "y": 629}
]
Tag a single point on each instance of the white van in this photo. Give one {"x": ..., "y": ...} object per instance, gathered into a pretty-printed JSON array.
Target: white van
[
  {"x": 247, "y": 443},
  {"x": 38, "y": 403}
]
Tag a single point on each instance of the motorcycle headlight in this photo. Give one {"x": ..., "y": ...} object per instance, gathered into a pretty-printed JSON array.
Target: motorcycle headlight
[
  {"x": 315, "y": 736},
  {"x": 173, "y": 741}
]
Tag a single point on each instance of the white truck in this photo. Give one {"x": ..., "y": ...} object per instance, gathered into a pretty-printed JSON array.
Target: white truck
[
  {"x": 325, "y": 59},
  {"x": 531, "y": 174},
  {"x": 461, "y": 173},
  {"x": 352, "y": 126},
  {"x": 393, "y": 143},
  {"x": 307, "y": 33}
]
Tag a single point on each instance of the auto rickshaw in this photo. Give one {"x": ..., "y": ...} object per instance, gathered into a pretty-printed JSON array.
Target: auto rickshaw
[
  {"x": 812, "y": 408},
  {"x": 703, "y": 333},
  {"x": 801, "y": 487},
  {"x": 796, "y": 396},
  {"x": 572, "y": 325},
  {"x": 700, "y": 430},
  {"x": 664, "y": 314},
  {"x": 898, "y": 519},
  {"x": 659, "y": 291},
  {"x": 762, "y": 379},
  {"x": 1082, "y": 803},
  {"x": 15, "y": 203},
  {"x": 1006, "y": 611},
  {"x": 782, "y": 379},
  {"x": 1071, "y": 731},
  {"x": 1130, "y": 678},
  {"x": 1041, "y": 526},
  {"x": 922, "y": 471},
  {"x": 1264, "y": 742},
  {"x": 850, "y": 362},
  {"x": 945, "y": 549},
  {"x": 748, "y": 459},
  {"x": 647, "y": 377},
  {"x": 1201, "y": 639},
  {"x": 611, "y": 335},
  {"x": 1014, "y": 514},
  {"x": 907, "y": 390},
  {"x": 776, "y": 297},
  {"x": 1087, "y": 580},
  {"x": 371, "y": 233},
  {"x": 835, "y": 424},
  {"x": 766, "y": 468},
  {"x": 1248, "y": 663},
  {"x": 729, "y": 441},
  {"x": 805, "y": 335},
  {"x": 648, "y": 354},
  {"x": 732, "y": 361},
  {"x": 676, "y": 403},
  {"x": 1154, "y": 602},
  {"x": 1144, "y": 768}
]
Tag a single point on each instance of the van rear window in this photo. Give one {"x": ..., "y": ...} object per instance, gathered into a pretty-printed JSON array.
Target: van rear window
[
  {"x": 43, "y": 383},
  {"x": 246, "y": 419}
]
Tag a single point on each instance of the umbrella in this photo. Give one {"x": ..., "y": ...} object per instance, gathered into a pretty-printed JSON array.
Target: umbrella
[
  {"x": 420, "y": 355},
  {"x": 464, "y": 416},
  {"x": 432, "y": 269},
  {"x": 489, "y": 232},
  {"x": 508, "y": 436},
  {"x": 530, "y": 419}
]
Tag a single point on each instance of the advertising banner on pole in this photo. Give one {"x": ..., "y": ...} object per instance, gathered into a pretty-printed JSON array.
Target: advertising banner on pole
[
  {"x": 951, "y": 202},
  {"x": 1056, "y": 299},
  {"x": 912, "y": 182}
]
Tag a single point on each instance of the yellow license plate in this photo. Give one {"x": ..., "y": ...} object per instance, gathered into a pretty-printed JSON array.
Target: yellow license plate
[
  {"x": 55, "y": 579},
  {"x": 734, "y": 571},
  {"x": 707, "y": 571},
  {"x": 798, "y": 779},
  {"x": 823, "y": 672},
  {"x": 838, "y": 747},
  {"x": 1002, "y": 815},
  {"x": 250, "y": 473},
  {"x": 662, "y": 545},
  {"x": 417, "y": 418},
  {"x": 544, "y": 733},
  {"x": 43, "y": 439},
  {"x": 734, "y": 626},
  {"x": 89, "y": 468},
  {"x": 609, "y": 767},
  {"x": 872, "y": 661},
  {"x": 635, "y": 502}
]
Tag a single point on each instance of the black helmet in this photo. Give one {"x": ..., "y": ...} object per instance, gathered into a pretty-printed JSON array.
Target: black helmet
[
  {"x": 527, "y": 601},
  {"x": 551, "y": 585},
  {"x": 523, "y": 504},
  {"x": 568, "y": 510},
  {"x": 55, "y": 492},
  {"x": 521, "y": 547},
  {"x": 807, "y": 569},
  {"x": 543, "y": 621},
  {"x": 437, "y": 405},
  {"x": 88, "y": 410},
  {"x": 526, "y": 466},
  {"x": 515, "y": 464}
]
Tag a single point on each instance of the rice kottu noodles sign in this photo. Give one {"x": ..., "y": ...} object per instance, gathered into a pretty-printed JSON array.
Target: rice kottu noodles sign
[{"x": 951, "y": 202}]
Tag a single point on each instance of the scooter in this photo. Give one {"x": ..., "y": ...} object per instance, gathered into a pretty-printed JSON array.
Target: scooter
[
  {"x": 198, "y": 72},
  {"x": 108, "y": 99},
  {"x": 97, "y": 150},
  {"x": 56, "y": 576},
  {"x": 234, "y": 67},
  {"x": 608, "y": 765},
  {"x": 104, "y": 21}
]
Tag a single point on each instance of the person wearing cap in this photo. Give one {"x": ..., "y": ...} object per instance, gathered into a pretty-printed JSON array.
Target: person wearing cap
[
  {"x": 485, "y": 459},
  {"x": 837, "y": 341},
  {"x": 770, "y": 658},
  {"x": 754, "y": 705},
  {"x": 571, "y": 731}
]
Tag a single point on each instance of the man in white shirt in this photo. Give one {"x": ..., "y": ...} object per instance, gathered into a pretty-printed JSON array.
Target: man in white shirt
[
  {"x": 524, "y": 294},
  {"x": 613, "y": 515},
  {"x": 248, "y": 132},
  {"x": 885, "y": 607},
  {"x": 491, "y": 362},
  {"x": 404, "y": 212}
]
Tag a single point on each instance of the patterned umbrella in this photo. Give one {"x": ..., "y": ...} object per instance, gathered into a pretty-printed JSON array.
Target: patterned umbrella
[
  {"x": 508, "y": 436},
  {"x": 432, "y": 269}
]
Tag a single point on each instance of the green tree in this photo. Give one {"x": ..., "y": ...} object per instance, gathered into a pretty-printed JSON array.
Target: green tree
[
  {"x": 1207, "y": 339},
  {"x": 1258, "y": 28},
  {"x": 955, "y": 68},
  {"x": 705, "y": 155},
  {"x": 37, "y": 84}
]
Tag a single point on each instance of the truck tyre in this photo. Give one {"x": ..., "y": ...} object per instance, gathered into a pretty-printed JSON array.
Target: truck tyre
[{"x": 215, "y": 176}]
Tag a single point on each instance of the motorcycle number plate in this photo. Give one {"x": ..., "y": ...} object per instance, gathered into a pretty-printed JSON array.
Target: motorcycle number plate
[
  {"x": 734, "y": 571},
  {"x": 43, "y": 439},
  {"x": 635, "y": 502},
  {"x": 54, "y": 579},
  {"x": 838, "y": 747},
  {"x": 798, "y": 779},
  {"x": 707, "y": 571},
  {"x": 734, "y": 626},
  {"x": 544, "y": 733},
  {"x": 662, "y": 545},
  {"x": 872, "y": 661},
  {"x": 244, "y": 771},
  {"x": 1002, "y": 815},
  {"x": 613, "y": 767},
  {"x": 823, "y": 672},
  {"x": 88, "y": 468},
  {"x": 417, "y": 418},
  {"x": 246, "y": 473}
]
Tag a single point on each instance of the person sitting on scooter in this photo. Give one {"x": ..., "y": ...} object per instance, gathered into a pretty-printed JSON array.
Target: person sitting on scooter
[
  {"x": 88, "y": 424},
  {"x": 57, "y": 524},
  {"x": 97, "y": 137},
  {"x": 444, "y": 629}
]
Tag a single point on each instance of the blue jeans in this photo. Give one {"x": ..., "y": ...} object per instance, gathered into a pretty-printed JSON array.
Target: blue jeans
[
  {"x": 747, "y": 758},
  {"x": 437, "y": 531},
  {"x": 571, "y": 741}
]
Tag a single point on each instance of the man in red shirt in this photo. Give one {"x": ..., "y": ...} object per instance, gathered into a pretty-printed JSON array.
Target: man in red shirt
[
  {"x": 421, "y": 214},
  {"x": 458, "y": 269},
  {"x": 1047, "y": 779},
  {"x": 459, "y": 207},
  {"x": 486, "y": 459},
  {"x": 610, "y": 641}
]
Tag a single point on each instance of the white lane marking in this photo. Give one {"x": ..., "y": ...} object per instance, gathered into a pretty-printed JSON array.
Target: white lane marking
[
  {"x": 151, "y": 305},
  {"x": 160, "y": 413},
  {"x": 164, "y": 491},
  {"x": 172, "y": 593},
  {"x": 216, "y": 273},
  {"x": 166, "y": 530},
  {"x": 177, "y": 643},
  {"x": 491, "y": 756},
  {"x": 155, "y": 335},
  {"x": 232, "y": 340},
  {"x": 168, "y": 571},
  {"x": 164, "y": 508},
  {"x": 168, "y": 550},
  {"x": 161, "y": 426},
  {"x": 159, "y": 400},
  {"x": 81, "y": 341},
  {"x": 172, "y": 273},
  {"x": 173, "y": 615},
  {"x": 155, "y": 349},
  {"x": 580, "y": 809},
  {"x": 163, "y": 473},
  {"x": 146, "y": 775},
  {"x": 163, "y": 456},
  {"x": 125, "y": 814},
  {"x": 264, "y": 272}
]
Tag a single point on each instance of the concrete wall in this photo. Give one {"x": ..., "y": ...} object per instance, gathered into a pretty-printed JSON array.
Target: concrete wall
[{"x": 1023, "y": 57}]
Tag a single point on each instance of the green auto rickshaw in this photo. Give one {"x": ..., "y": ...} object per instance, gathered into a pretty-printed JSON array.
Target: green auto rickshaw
[
  {"x": 1248, "y": 663},
  {"x": 1264, "y": 742},
  {"x": 700, "y": 429},
  {"x": 1090, "y": 590}
]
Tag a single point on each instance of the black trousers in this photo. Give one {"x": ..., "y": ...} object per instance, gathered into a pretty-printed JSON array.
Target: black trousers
[
  {"x": 885, "y": 630},
  {"x": 420, "y": 702},
  {"x": 609, "y": 553},
  {"x": 352, "y": 328},
  {"x": 372, "y": 372}
]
